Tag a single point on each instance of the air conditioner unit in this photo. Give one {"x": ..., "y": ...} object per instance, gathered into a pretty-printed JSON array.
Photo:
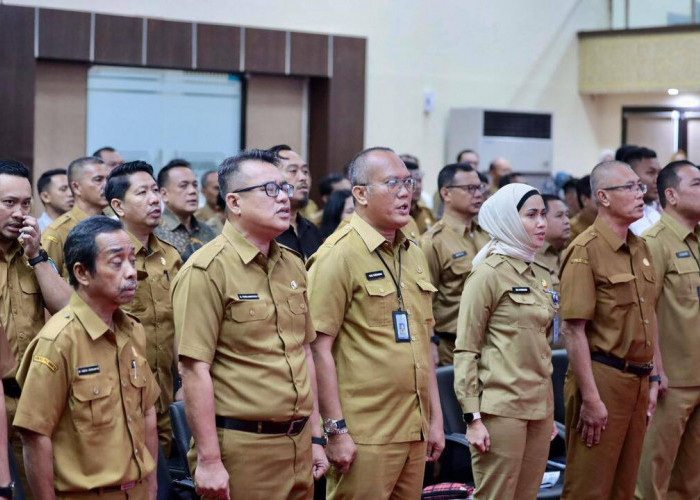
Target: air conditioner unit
[{"x": 524, "y": 138}]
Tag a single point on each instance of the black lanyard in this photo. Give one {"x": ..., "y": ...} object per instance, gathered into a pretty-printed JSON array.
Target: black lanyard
[{"x": 397, "y": 283}]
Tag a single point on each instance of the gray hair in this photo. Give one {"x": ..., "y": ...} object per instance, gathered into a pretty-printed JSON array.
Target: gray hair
[
  {"x": 359, "y": 166},
  {"x": 601, "y": 170}
]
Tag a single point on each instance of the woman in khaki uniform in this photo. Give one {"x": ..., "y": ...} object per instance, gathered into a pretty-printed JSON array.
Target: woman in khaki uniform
[{"x": 502, "y": 356}]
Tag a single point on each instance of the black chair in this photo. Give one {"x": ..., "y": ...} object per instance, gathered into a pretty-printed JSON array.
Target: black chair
[
  {"x": 181, "y": 438},
  {"x": 560, "y": 363},
  {"x": 455, "y": 464},
  {"x": 14, "y": 474}
]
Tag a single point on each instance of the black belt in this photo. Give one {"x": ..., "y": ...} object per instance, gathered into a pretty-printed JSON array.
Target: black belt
[
  {"x": 623, "y": 365},
  {"x": 11, "y": 387},
  {"x": 446, "y": 335},
  {"x": 290, "y": 428}
]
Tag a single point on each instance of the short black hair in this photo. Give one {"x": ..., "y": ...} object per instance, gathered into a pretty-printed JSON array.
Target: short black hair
[
  {"x": 668, "y": 178},
  {"x": 623, "y": 150},
  {"x": 325, "y": 185},
  {"x": 409, "y": 157},
  {"x": 163, "y": 175},
  {"x": 275, "y": 150},
  {"x": 464, "y": 151},
  {"x": 447, "y": 174},
  {"x": 45, "y": 179},
  {"x": 411, "y": 165},
  {"x": 16, "y": 168},
  {"x": 203, "y": 179},
  {"x": 634, "y": 155},
  {"x": 119, "y": 179},
  {"x": 81, "y": 243},
  {"x": 508, "y": 179},
  {"x": 220, "y": 202},
  {"x": 333, "y": 211},
  {"x": 231, "y": 165},
  {"x": 79, "y": 163},
  {"x": 570, "y": 185},
  {"x": 547, "y": 198},
  {"x": 105, "y": 149},
  {"x": 583, "y": 188}
]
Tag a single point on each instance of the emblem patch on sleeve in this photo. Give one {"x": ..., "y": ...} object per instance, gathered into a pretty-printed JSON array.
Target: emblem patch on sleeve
[{"x": 46, "y": 362}]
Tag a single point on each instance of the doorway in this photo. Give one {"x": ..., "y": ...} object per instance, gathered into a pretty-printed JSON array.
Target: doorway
[{"x": 663, "y": 129}]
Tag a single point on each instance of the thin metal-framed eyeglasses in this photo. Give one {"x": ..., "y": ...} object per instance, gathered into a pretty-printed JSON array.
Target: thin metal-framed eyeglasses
[
  {"x": 272, "y": 189},
  {"x": 630, "y": 187},
  {"x": 470, "y": 188},
  {"x": 394, "y": 185}
]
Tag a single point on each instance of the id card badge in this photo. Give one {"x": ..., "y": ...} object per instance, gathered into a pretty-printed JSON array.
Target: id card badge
[
  {"x": 401, "y": 331},
  {"x": 555, "y": 329}
]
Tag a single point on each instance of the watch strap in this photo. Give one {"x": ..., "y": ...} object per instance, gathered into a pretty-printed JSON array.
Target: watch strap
[
  {"x": 319, "y": 440},
  {"x": 42, "y": 257},
  {"x": 655, "y": 378}
]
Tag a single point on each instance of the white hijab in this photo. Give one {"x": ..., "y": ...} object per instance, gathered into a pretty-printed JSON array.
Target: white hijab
[{"x": 500, "y": 218}]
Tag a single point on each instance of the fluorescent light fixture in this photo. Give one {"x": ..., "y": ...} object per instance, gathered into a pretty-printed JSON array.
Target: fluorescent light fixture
[{"x": 672, "y": 91}]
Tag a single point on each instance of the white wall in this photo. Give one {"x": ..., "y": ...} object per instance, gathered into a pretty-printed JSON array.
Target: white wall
[{"x": 498, "y": 54}]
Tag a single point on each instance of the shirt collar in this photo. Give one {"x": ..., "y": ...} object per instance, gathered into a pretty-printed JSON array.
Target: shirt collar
[
  {"x": 245, "y": 249},
  {"x": 78, "y": 214},
  {"x": 609, "y": 236},
  {"x": 171, "y": 222},
  {"x": 92, "y": 323},
  {"x": 153, "y": 244},
  {"x": 519, "y": 265},
  {"x": 15, "y": 250},
  {"x": 679, "y": 229},
  {"x": 457, "y": 225},
  {"x": 371, "y": 236}
]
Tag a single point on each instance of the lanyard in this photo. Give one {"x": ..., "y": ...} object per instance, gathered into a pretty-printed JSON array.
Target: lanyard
[{"x": 397, "y": 283}]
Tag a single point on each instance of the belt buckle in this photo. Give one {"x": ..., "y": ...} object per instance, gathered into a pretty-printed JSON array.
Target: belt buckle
[{"x": 293, "y": 427}]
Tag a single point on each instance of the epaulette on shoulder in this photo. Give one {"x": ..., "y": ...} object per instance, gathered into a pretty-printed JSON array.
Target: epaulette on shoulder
[
  {"x": 338, "y": 235},
  {"x": 55, "y": 325},
  {"x": 585, "y": 237},
  {"x": 542, "y": 266},
  {"x": 203, "y": 257},
  {"x": 494, "y": 260},
  {"x": 166, "y": 243},
  {"x": 654, "y": 230}
]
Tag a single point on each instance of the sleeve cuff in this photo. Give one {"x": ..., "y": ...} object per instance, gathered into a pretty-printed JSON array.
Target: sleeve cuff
[{"x": 471, "y": 404}]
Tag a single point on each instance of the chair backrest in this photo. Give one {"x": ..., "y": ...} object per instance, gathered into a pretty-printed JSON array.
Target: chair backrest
[
  {"x": 560, "y": 363},
  {"x": 181, "y": 431},
  {"x": 451, "y": 409}
]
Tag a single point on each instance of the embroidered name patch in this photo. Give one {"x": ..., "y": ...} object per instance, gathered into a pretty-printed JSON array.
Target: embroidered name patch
[
  {"x": 248, "y": 296},
  {"x": 46, "y": 362},
  {"x": 579, "y": 261},
  {"x": 375, "y": 275},
  {"x": 520, "y": 289},
  {"x": 459, "y": 254},
  {"x": 683, "y": 255},
  {"x": 88, "y": 370}
]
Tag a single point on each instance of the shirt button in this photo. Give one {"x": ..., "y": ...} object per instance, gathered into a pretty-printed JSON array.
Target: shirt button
[
  {"x": 646, "y": 321},
  {"x": 252, "y": 312},
  {"x": 413, "y": 338},
  {"x": 128, "y": 419},
  {"x": 403, "y": 285},
  {"x": 381, "y": 290},
  {"x": 641, "y": 299},
  {"x": 648, "y": 343},
  {"x": 123, "y": 383},
  {"x": 281, "y": 330},
  {"x": 160, "y": 347},
  {"x": 95, "y": 390},
  {"x": 136, "y": 452},
  {"x": 21, "y": 335},
  {"x": 417, "y": 365}
]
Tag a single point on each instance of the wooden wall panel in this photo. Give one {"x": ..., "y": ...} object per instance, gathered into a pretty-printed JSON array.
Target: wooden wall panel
[
  {"x": 118, "y": 40},
  {"x": 64, "y": 34},
  {"x": 218, "y": 48},
  {"x": 309, "y": 54},
  {"x": 169, "y": 44},
  {"x": 264, "y": 51},
  {"x": 17, "y": 81}
]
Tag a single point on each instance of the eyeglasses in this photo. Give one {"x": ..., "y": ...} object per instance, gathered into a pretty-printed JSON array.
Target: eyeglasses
[
  {"x": 630, "y": 188},
  {"x": 394, "y": 185},
  {"x": 470, "y": 188},
  {"x": 272, "y": 189}
]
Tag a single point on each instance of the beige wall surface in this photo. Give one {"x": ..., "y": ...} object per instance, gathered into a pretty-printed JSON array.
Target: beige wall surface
[{"x": 504, "y": 54}]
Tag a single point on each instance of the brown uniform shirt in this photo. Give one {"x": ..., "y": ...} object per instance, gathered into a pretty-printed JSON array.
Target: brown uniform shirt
[
  {"x": 449, "y": 248},
  {"x": 503, "y": 363},
  {"x": 80, "y": 387},
  {"x": 579, "y": 223},
  {"x": 22, "y": 306},
  {"x": 205, "y": 213},
  {"x": 423, "y": 216},
  {"x": 248, "y": 317},
  {"x": 611, "y": 283},
  {"x": 156, "y": 267},
  {"x": 550, "y": 258},
  {"x": 676, "y": 257},
  {"x": 54, "y": 237},
  {"x": 383, "y": 384}
]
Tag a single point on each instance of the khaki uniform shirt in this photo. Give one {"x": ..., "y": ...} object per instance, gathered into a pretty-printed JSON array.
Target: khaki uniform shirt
[
  {"x": 579, "y": 223},
  {"x": 80, "y": 388},
  {"x": 174, "y": 232},
  {"x": 423, "y": 216},
  {"x": 248, "y": 317},
  {"x": 503, "y": 363},
  {"x": 215, "y": 224},
  {"x": 449, "y": 248},
  {"x": 676, "y": 258},
  {"x": 383, "y": 384},
  {"x": 156, "y": 267},
  {"x": 550, "y": 258},
  {"x": 205, "y": 212},
  {"x": 54, "y": 237},
  {"x": 611, "y": 283},
  {"x": 22, "y": 306}
]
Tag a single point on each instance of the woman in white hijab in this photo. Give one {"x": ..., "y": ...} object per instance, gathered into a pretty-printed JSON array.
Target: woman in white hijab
[{"x": 502, "y": 357}]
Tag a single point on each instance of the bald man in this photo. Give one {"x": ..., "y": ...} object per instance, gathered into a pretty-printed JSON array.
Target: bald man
[{"x": 499, "y": 168}]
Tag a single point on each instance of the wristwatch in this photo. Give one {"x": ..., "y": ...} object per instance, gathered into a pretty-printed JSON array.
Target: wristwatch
[
  {"x": 333, "y": 427},
  {"x": 8, "y": 491},
  {"x": 319, "y": 440},
  {"x": 42, "y": 257},
  {"x": 655, "y": 378},
  {"x": 470, "y": 417}
]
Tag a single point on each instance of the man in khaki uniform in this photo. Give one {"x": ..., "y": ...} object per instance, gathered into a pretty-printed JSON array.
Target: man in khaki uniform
[
  {"x": 28, "y": 281},
  {"x": 589, "y": 209},
  {"x": 86, "y": 178},
  {"x": 134, "y": 196},
  {"x": 556, "y": 238},
  {"x": 609, "y": 323},
  {"x": 669, "y": 466},
  {"x": 209, "y": 187},
  {"x": 243, "y": 328},
  {"x": 86, "y": 413},
  {"x": 449, "y": 248},
  {"x": 370, "y": 296}
]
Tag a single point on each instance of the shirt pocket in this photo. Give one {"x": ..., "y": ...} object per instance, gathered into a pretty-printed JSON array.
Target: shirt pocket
[
  {"x": 251, "y": 334},
  {"x": 92, "y": 406},
  {"x": 688, "y": 278},
  {"x": 137, "y": 379},
  {"x": 622, "y": 289},
  {"x": 30, "y": 292},
  {"x": 381, "y": 301},
  {"x": 523, "y": 309},
  {"x": 460, "y": 266},
  {"x": 426, "y": 290}
]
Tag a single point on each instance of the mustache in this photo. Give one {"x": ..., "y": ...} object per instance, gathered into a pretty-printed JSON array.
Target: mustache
[{"x": 129, "y": 285}]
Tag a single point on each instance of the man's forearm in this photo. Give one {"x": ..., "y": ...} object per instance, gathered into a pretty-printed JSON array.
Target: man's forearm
[
  {"x": 327, "y": 379},
  {"x": 54, "y": 289},
  {"x": 315, "y": 414},
  {"x": 580, "y": 358},
  {"x": 199, "y": 407},
  {"x": 435, "y": 408},
  {"x": 38, "y": 463}
]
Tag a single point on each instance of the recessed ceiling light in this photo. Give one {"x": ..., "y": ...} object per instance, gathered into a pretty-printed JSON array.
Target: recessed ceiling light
[{"x": 672, "y": 91}]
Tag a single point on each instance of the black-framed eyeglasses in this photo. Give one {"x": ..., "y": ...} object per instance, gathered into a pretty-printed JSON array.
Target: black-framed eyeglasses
[
  {"x": 394, "y": 185},
  {"x": 630, "y": 188},
  {"x": 272, "y": 189},
  {"x": 470, "y": 188}
]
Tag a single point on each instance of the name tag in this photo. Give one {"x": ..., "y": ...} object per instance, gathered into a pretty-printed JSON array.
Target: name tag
[
  {"x": 88, "y": 370},
  {"x": 374, "y": 275},
  {"x": 248, "y": 296},
  {"x": 520, "y": 289},
  {"x": 458, "y": 255},
  {"x": 683, "y": 255}
]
